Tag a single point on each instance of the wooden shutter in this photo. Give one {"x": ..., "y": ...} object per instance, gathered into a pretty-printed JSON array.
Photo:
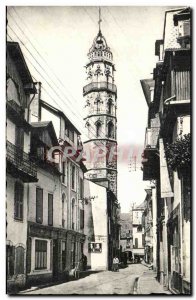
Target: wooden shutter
[
  {"x": 81, "y": 218},
  {"x": 18, "y": 201},
  {"x": 50, "y": 209},
  {"x": 39, "y": 205},
  {"x": 136, "y": 243},
  {"x": 28, "y": 255},
  {"x": 19, "y": 260},
  {"x": 19, "y": 137}
]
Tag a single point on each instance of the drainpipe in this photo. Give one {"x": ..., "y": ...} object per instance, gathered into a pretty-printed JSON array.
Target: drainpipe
[{"x": 39, "y": 95}]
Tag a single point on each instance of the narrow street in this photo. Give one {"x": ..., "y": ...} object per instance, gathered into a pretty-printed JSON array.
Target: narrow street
[{"x": 103, "y": 282}]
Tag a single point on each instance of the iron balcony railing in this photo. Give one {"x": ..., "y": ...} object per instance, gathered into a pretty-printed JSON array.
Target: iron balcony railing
[
  {"x": 151, "y": 137},
  {"x": 21, "y": 160},
  {"x": 96, "y": 86}
]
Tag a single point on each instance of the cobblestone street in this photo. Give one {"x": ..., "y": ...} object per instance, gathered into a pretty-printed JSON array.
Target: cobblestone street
[{"x": 104, "y": 282}]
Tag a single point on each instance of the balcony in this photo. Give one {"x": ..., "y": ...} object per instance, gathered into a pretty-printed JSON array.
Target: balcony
[
  {"x": 150, "y": 159},
  {"x": 151, "y": 138},
  {"x": 19, "y": 164},
  {"x": 16, "y": 113},
  {"x": 98, "y": 86}
]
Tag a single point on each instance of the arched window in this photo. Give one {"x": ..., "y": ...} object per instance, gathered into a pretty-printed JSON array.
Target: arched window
[
  {"x": 98, "y": 129},
  {"x": 98, "y": 105},
  {"x": 73, "y": 214},
  {"x": 110, "y": 106},
  {"x": 88, "y": 126},
  {"x": 110, "y": 130}
]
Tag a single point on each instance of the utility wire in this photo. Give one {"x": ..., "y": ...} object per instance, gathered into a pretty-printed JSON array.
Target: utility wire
[
  {"x": 40, "y": 53},
  {"x": 41, "y": 75},
  {"x": 43, "y": 58}
]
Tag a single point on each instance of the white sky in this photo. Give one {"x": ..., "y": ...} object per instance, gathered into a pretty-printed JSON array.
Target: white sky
[{"x": 63, "y": 36}]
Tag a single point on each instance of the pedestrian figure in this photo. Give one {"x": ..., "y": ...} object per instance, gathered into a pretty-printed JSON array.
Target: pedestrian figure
[
  {"x": 115, "y": 264},
  {"x": 84, "y": 262}
]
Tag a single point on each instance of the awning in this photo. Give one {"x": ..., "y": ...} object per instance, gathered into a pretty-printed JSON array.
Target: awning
[{"x": 166, "y": 190}]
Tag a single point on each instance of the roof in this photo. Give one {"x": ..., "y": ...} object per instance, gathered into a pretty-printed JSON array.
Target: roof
[
  {"x": 147, "y": 84},
  {"x": 59, "y": 113},
  {"x": 170, "y": 32},
  {"x": 40, "y": 124},
  {"x": 47, "y": 125},
  {"x": 16, "y": 54},
  {"x": 140, "y": 206},
  {"x": 184, "y": 14},
  {"x": 125, "y": 217}
]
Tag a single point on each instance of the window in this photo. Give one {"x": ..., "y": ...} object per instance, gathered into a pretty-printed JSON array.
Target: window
[
  {"x": 81, "y": 188},
  {"x": 143, "y": 240},
  {"x": 63, "y": 210},
  {"x": 50, "y": 209},
  {"x": 63, "y": 255},
  {"x": 19, "y": 260},
  {"x": 71, "y": 135},
  {"x": 73, "y": 253},
  {"x": 40, "y": 254},
  {"x": 18, "y": 201},
  {"x": 110, "y": 130},
  {"x": 73, "y": 213},
  {"x": 64, "y": 171},
  {"x": 39, "y": 205},
  {"x": 81, "y": 218},
  {"x": 136, "y": 243},
  {"x": 12, "y": 91},
  {"x": 10, "y": 250},
  {"x": 98, "y": 129},
  {"x": 98, "y": 105},
  {"x": 73, "y": 175},
  {"x": 139, "y": 228},
  {"x": 19, "y": 140},
  {"x": 110, "y": 106}
]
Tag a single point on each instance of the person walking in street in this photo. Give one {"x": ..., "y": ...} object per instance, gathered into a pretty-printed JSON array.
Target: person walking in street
[{"x": 115, "y": 264}]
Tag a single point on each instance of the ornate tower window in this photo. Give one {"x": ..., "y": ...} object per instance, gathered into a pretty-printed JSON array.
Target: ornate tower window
[
  {"x": 110, "y": 130},
  {"x": 110, "y": 106},
  {"x": 88, "y": 126},
  {"x": 98, "y": 129}
]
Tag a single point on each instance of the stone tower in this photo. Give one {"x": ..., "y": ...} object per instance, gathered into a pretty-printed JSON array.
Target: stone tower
[{"x": 100, "y": 95}]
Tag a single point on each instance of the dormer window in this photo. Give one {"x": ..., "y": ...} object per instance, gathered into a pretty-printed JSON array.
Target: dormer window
[{"x": 184, "y": 33}]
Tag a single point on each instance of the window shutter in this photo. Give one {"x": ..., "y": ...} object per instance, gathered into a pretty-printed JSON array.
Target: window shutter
[
  {"x": 28, "y": 255},
  {"x": 18, "y": 201},
  {"x": 50, "y": 209},
  {"x": 81, "y": 218},
  {"x": 136, "y": 243},
  {"x": 39, "y": 205},
  {"x": 19, "y": 260}
]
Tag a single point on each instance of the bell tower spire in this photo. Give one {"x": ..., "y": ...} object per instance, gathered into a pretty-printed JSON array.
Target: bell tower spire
[
  {"x": 100, "y": 96},
  {"x": 100, "y": 20}
]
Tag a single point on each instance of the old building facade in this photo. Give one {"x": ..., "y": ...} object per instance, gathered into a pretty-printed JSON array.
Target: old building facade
[
  {"x": 126, "y": 236},
  {"x": 166, "y": 160},
  {"x": 69, "y": 241},
  {"x": 21, "y": 171},
  {"x": 138, "y": 231}
]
